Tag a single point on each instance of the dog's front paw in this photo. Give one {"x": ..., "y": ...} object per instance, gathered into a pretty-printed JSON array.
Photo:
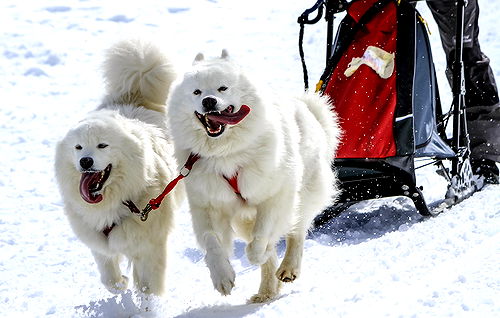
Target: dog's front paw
[
  {"x": 118, "y": 286},
  {"x": 288, "y": 272},
  {"x": 257, "y": 252},
  {"x": 222, "y": 274}
]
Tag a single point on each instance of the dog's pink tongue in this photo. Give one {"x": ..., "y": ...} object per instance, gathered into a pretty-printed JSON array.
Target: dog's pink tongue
[
  {"x": 86, "y": 181},
  {"x": 229, "y": 118}
]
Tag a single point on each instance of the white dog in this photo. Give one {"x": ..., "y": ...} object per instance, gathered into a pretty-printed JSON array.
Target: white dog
[
  {"x": 264, "y": 169},
  {"x": 118, "y": 155}
]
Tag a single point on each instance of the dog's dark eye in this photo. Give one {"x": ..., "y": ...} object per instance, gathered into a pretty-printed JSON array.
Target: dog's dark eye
[
  {"x": 102, "y": 146},
  {"x": 222, "y": 89},
  {"x": 78, "y": 147},
  {"x": 197, "y": 92}
]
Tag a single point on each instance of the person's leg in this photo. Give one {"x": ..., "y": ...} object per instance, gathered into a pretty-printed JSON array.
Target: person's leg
[{"x": 481, "y": 97}]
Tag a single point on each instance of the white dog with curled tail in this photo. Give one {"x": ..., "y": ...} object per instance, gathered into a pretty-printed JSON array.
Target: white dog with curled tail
[
  {"x": 119, "y": 156},
  {"x": 263, "y": 173}
]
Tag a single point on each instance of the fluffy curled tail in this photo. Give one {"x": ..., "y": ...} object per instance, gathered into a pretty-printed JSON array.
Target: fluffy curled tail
[
  {"x": 137, "y": 73},
  {"x": 325, "y": 114}
]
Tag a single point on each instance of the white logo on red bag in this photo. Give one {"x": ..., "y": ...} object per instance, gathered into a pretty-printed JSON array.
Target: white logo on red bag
[{"x": 382, "y": 62}]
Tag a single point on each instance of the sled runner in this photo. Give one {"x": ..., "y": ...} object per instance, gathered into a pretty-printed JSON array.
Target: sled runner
[{"x": 380, "y": 77}]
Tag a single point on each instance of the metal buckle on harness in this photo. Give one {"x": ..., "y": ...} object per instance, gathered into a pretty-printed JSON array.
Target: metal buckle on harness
[
  {"x": 145, "y": 212},
  {"x": 184, "y": 172}
]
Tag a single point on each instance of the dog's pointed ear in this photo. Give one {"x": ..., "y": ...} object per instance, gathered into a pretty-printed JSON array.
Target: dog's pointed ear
[
  {"x": 199, "y": 57},
  {"x": 224, "y": 54}
]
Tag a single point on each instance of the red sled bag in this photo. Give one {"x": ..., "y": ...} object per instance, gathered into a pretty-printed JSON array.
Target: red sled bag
[
  {"x": 363, "y": 86},
  {"x": 382, "y": 82}
]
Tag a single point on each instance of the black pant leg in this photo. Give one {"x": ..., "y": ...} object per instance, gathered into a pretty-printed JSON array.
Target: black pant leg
[{"x": 481, "y": 97}]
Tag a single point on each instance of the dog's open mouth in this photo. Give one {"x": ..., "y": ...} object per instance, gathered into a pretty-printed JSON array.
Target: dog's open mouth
[
  {"x": 215, "y": 122},
  {"x": 91, "y": 183}
]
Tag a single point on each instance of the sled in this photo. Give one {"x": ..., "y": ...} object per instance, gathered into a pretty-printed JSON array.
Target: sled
[{"x": 380, "y": 76}]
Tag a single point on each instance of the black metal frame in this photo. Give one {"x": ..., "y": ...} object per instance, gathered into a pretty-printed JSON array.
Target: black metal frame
[
  {"x": 364, "y": 179},
  {"x": 460, "y": 134},
  {"x": 379, "y": 179}
]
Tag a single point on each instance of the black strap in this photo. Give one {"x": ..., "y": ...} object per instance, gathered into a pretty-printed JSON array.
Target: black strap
[
  {"x": 302, "y": 20},
  {"x": 302, "y": 59}
]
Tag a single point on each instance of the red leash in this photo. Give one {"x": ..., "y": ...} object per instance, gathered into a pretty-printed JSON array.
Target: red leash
[
  {"x": 155, "y": 203},
  {"x": 186, "y": 169}
]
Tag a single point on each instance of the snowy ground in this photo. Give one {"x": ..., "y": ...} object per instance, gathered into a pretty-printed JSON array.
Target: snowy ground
[{"x": 378, "y": 260}]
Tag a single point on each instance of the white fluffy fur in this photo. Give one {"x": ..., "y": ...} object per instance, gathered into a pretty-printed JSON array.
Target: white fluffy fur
[
  {"x": 142, "y": 159},
  {"x": 137, "y": 72},
  {"x": 282, "y": 152}
]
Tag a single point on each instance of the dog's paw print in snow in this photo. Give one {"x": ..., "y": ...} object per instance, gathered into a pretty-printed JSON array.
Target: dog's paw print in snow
[
  {"x": 121, "y": 18},
  {"x": 10, "y": 54},
  {"x": 35, "y": 71},
  {"x": 52, "y": 60},
  {"x": 56, "y": 9},
  {"x": 193, "y": 254},
  {"x": 49, "y": 59},
  {"x": 177, "y": 10}
]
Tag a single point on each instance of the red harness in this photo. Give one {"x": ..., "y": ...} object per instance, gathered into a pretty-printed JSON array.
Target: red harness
[
  {"x": 156, "y": 202},
  {"x": 233, "y": 182}
]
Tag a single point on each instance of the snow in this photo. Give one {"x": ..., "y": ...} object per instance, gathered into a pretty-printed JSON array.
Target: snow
[{"x": 378, "y": 259}]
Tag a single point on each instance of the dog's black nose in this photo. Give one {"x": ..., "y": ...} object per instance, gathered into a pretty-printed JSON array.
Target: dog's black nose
[
  {"x": 86, "y": 162},
  {"x": 209, "y": 104}
]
